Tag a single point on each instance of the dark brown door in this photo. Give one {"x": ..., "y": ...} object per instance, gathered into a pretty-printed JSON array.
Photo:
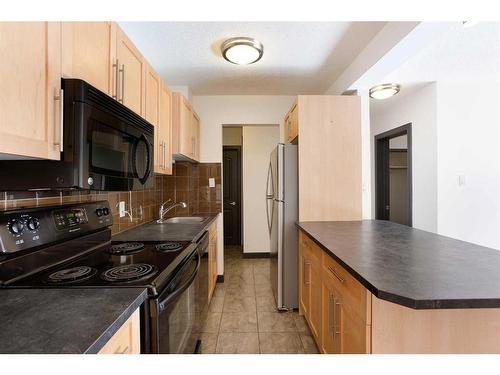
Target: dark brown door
[
  {"x": 393, "y": 177},
  {"x": 231, "y": 165}
]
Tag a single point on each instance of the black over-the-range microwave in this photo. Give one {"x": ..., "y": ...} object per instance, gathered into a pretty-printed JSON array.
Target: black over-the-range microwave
[{"x": 105, "y": 146}]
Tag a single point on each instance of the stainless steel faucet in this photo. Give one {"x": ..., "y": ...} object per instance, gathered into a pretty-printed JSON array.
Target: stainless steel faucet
[{"x": 164, "y": 210}]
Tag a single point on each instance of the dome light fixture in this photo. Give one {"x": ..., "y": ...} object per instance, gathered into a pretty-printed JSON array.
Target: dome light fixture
[
  {"x": 242, "y": 50},
  {"x": 384, "y": 91}
]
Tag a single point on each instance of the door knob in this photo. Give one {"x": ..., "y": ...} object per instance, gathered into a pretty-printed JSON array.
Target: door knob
[{"x": 232, "y": 203}]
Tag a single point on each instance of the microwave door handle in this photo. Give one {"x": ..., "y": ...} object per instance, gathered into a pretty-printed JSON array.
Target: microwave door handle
[{"x": 163, "y": 303}]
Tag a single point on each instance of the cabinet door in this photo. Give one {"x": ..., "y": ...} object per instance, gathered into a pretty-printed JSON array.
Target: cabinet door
[
  {"x": 164, "y": 137},
  {"x": 185, "y": 128},
  {"x": 315, "y": 306},
  {"x": 196, "y": 137},
  {"x": 30, "y": 76},
  {"x": 294, "y": 123},
  {"x": 152, "y": 96},
  {"x": 304, "y": 280},
  {"x": 331, "y": 319},
  {"x": 88, "y": 54},
  {"x": 131, "y": 73}
]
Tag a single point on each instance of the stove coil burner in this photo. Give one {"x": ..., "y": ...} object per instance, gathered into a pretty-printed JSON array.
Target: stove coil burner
[
  {"x": 126, "y": 248},
  {"x": 168, "y": 247},
  {"x": 128, "y": 272},
  {"x": 72, "y": 275}
]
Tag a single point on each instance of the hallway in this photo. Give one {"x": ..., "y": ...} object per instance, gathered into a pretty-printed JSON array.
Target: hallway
[{"x": 243, "y": 316}]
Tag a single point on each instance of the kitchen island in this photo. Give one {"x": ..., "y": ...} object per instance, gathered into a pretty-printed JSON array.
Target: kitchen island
[{"x": 379, "y": 287}]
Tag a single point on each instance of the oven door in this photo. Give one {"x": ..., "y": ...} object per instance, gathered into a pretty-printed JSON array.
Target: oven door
[
  {"x": 116, "y": 155},
  {"x": 174, "y": 314}
]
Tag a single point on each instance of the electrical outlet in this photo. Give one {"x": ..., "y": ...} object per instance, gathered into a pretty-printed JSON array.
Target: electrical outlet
[
  {"x": 121, "y": 208},
  {"x": 211, "y": 182}
]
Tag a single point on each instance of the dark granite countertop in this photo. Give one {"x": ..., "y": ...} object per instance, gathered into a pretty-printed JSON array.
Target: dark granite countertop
[
  {"x": 411, "y": 267},
  {"x": 63, "y": 320},
  {"x": 167, "y": 231}
]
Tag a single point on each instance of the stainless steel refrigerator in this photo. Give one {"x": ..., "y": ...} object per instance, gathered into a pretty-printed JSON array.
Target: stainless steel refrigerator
[{"x": 282, "y": 213}]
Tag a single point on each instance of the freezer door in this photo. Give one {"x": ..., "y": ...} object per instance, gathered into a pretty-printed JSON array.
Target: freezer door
[{"x": 277, "y": 172}]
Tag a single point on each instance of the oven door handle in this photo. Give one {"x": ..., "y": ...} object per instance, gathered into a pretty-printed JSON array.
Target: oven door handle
[{"x": 163, "y": 304}]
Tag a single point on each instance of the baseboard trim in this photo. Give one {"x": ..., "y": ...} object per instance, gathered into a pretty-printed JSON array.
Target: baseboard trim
[
  {"x": 220, "y": 278},
  {"x": 256, "y": 255}
]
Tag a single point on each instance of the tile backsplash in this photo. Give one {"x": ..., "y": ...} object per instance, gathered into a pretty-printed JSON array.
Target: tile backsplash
[{"x": 188, "y": 183}]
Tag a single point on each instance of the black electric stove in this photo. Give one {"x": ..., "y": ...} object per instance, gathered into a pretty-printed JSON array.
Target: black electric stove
[{"x": 70, "y": 247}]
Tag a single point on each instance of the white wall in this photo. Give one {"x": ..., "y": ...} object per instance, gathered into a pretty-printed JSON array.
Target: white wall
[
  {"x": 464, "y": 63},
  {"x": 469, "y": 150},
  {"x": 258, "y": 142},
  {"x": 419, "y": 108},
  {"x": 214, "y": 111}
]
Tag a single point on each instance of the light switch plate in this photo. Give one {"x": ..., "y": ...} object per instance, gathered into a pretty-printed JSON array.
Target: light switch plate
[
  {"x": 121, "y": 208},
  {"x": 211, "y": 182}
]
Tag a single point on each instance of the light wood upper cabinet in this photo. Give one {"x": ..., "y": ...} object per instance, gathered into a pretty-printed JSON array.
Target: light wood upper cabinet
[
  {"x": 152, "y": 96},
  {"x": 88, "y": 53},
  {"x": 196, "y": 137},
  {"x": 329, "y": 142},
  {"x": 30, "y": 75},
  {"x": 185, "y": 129},
  {"x": 292, "y": 125},
  {"x": 163, "y": 132},
  {"x": 131, "y": 74}
]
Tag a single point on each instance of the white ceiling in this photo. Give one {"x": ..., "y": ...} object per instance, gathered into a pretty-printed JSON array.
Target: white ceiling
[{"x": 299, "y": 57}]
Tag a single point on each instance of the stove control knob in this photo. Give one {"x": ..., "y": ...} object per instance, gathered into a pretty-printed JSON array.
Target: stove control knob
[
  {"x": 99, "y": 212},
  {"x": 16, "y": 227},
  {"x": 105, "y": 211},
  {"x": 32, "y": 223}
]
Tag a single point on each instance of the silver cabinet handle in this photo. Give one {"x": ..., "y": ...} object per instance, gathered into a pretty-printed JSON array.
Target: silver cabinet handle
[
  {"x": 306, "y": 278},
  {"x": 163, "y": 156},
  {"x": 60, "y": 142},
  {"x": 335, "y": 317},
  {"x": 232, "y": 203},
  {"x": 122, "y": 93},
  {"x": 115, "y": 77},
  {"x": 331, "y": 315},
  {"x": 124, "y": 351},
  {"x": 334, "y": 273}
]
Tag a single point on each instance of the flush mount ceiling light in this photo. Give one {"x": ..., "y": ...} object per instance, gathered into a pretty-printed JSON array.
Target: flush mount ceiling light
[
  {"x": 384, "y": 91},
  {"x": 242, "y": 50}
]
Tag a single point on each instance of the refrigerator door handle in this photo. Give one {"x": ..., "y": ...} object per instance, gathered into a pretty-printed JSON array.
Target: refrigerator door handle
[{"x": 269, "y": 198}]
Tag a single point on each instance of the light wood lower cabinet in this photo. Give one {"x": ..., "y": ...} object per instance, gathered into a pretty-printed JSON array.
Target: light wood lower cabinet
[
  {"x": 127, "y": 340},
  {"x": 212, "y": 259},
  {"x": 334, "y": 304},
  {"x": 30, "y": 76}
]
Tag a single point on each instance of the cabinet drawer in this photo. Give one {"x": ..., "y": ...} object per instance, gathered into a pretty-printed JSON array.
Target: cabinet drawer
[
  {"x": 355, "y": 296},
  {"x": 127, "y": 339},
  {"x": 311, "y": 250}
]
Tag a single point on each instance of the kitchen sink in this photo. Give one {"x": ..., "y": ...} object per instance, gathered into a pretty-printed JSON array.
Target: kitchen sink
[{"x": 185, "y": 220}]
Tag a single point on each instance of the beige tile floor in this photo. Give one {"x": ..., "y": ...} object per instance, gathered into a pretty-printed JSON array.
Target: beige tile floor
[{"x": 243, "y": 317}]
